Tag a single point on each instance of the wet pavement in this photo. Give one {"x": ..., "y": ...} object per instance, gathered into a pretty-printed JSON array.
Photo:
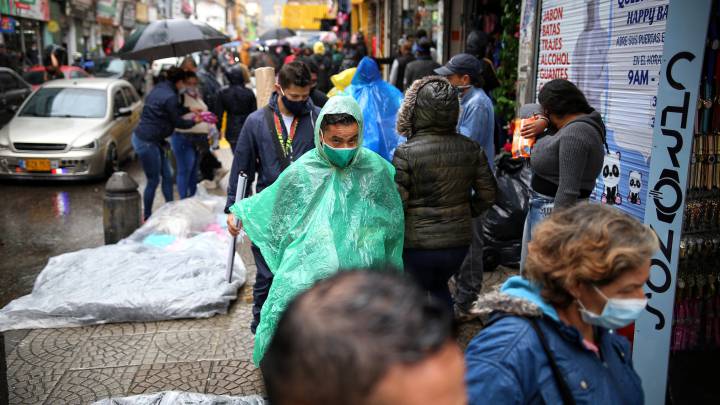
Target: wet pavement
[{"x": 39, "y": 220}]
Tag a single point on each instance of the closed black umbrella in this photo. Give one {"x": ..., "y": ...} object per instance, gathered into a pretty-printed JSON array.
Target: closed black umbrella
[
  {"x": 168, "y": 38},
  {"x": 277, "y": 33}
]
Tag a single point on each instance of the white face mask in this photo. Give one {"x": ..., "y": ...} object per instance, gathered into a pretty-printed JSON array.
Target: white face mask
[{"x": 617, "y": 313}]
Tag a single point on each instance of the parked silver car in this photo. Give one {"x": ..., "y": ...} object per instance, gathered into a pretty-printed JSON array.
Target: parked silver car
[{"x": 71, "y": 128}]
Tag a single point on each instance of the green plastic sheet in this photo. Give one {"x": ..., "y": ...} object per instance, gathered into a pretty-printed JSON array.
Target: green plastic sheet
[{"x": 318, "y": 219}]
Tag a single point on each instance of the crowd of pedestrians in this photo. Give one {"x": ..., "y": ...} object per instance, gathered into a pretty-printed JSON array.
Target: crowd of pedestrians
[{"x": 375, "y": 179}]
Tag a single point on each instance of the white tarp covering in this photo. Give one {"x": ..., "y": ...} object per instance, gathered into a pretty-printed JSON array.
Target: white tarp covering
[
  {"x": 176, "y": 397},
  {"x": 172, "y": 267}
]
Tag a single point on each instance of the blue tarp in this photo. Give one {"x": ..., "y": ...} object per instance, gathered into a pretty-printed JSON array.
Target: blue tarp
[{"x": 380, "y": 102}]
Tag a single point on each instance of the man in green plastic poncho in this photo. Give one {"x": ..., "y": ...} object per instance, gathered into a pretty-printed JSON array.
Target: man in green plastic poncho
[{"x": 335, "y": 208}]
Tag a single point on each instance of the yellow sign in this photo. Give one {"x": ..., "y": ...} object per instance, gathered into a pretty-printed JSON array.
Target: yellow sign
[
  {"x": 53, "y": 26},
  {"x": 304, "y": 16}
]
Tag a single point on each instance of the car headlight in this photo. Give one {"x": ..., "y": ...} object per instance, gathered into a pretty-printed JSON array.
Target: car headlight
[{"x": 90, "y": 146}]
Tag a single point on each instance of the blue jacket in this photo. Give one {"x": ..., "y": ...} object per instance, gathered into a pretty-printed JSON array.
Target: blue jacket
[
  {"x": 477, "y": 121},
  {"x": 506, "y": 363},
  {"x": 256, "y": 150},
  {"x": 161, "y": 114}
]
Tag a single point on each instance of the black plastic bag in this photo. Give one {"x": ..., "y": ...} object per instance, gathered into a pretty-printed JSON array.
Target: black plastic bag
[{"x": 503, "y": 223}]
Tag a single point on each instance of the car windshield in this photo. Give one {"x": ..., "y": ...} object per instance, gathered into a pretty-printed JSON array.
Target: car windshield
[
  {"x": 111, "y": 66},
  {"x": 66, "y": 103}
]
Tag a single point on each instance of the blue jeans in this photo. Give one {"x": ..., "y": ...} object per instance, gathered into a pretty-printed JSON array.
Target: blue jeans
[
  {"x": 541, "y": 206},
  {"x": 186, "y": 159},
  {"x": 155, "y": 164}
]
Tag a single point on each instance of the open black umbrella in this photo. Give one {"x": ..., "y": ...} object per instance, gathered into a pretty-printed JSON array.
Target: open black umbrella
[
  {"x": 277, "y": 33},
  {"x": 168, "y": 38}
]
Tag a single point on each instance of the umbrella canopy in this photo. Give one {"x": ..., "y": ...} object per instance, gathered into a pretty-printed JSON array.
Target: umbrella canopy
[
  {"x": 277, "y": 33},
  {"x": 168, "y": 38}
]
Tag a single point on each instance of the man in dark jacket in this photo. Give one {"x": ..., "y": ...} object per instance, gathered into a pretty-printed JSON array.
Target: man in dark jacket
[
  {"x": 161, "y": 114},
  {"x": 423, "y": 66},
  {"x": 238, "y": 101},
  {"x": 270, "y": 140},
  {"x": 476, "y": 45},
  {"x": 444, "y": 181}
]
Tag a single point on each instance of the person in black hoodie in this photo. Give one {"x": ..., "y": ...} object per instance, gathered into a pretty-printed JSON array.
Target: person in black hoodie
[
  {"x": 397, "y": 71},
  {"x": 476, "y": 45},
  {"x": 423, "y": 66},
  {"x": 318, "y": 97},
  {"x": 238, "y": 101}
]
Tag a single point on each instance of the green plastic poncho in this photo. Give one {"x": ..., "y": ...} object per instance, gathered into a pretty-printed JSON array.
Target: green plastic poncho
[{"x": 317, "y": 219}]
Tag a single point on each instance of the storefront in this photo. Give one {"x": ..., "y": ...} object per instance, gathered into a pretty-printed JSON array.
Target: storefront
[
  {"x": 410, "y": 16},
  {"x": 22, "y": 23},
  {"x": 81, "y": 19},
  {"x": 105, "y": 15},
  {"x": 639, "y": 64}
]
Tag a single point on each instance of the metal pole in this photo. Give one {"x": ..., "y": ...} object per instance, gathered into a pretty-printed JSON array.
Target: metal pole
[{"x": 4, "y": 397}]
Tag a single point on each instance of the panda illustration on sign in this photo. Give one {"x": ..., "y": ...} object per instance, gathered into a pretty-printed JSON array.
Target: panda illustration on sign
[
  {"x": 611, "y": 179},
  {"x": 635, "y": 185}
]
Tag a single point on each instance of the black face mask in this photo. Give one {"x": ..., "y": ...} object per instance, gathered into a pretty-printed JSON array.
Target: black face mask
[{"x": 295, "y": 107}]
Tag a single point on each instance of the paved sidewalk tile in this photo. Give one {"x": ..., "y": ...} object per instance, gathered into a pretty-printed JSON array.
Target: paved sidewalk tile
[
  {"x": 38, "y": 362},
  {"x": 85, "y": 386},
  {"x": 218, "y": 322},
  {"x": 113, "y": 351},
  {"x": 172, "y": 376},
  {"x": 235, "y": 378},
  {"x": 182, "y": 346},
  {"x": 125, "y": 329},
  {"x": 235, "y": 344}
]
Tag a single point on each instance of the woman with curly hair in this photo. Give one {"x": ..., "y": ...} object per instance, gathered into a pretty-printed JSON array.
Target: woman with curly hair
[{"x": 550, "y": 337}]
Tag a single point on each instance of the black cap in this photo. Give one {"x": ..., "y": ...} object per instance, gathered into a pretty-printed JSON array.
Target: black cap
[{"x": 461, "y": 64}]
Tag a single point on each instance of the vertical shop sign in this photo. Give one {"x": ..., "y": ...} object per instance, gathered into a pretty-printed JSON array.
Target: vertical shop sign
[
  {"x": 35, "y": 9},
  {"x": 672, "y": 143}
]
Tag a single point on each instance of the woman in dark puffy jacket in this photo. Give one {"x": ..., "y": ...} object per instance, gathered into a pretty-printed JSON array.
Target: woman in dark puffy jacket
[
  {"x": 238, "y": 101},
  {"x": 444, "y": 180}
]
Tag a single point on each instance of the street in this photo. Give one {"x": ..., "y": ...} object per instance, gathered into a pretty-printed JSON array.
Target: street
[{"x": 39, "y": 220}]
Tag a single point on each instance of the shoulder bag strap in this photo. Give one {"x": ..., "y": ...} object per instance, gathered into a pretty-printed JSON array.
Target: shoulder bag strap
[
  {"x": 270, "y": 120},
  {"x": 565, "y": 392}
]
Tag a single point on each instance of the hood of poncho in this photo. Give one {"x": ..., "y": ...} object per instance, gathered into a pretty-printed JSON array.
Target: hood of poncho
[{"x": 339, "y": 105}]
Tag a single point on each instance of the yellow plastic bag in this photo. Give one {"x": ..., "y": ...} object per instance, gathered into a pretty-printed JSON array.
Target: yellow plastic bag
[{"x": 341, "y": 81}]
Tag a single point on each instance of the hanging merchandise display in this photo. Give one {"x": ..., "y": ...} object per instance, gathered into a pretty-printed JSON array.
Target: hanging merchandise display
[{"x": 695, "y": 329}]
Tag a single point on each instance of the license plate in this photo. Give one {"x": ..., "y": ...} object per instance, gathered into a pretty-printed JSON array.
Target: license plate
[{"x": 37, "y": 165}]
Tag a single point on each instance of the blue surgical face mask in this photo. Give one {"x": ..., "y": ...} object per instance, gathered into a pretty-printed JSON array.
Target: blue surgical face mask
[{"x": 617, "y": 313}]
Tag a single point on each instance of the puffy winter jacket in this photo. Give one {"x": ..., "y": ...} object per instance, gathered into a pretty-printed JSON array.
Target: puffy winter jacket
[
  {"x": 437, "y": 169},
  {"x": 506, "y": 363}
]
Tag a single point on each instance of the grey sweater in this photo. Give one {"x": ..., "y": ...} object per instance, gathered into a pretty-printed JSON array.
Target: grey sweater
[{"x": 571, "y": 158}]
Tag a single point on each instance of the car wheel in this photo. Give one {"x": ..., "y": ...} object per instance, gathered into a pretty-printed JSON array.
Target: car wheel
[{"x": 112, "y": 160}]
